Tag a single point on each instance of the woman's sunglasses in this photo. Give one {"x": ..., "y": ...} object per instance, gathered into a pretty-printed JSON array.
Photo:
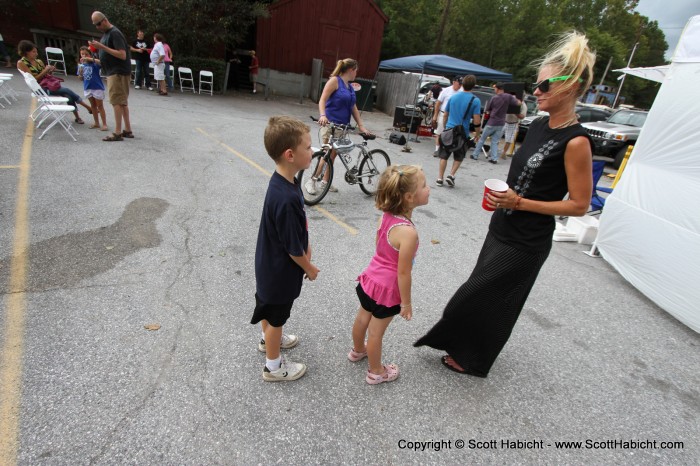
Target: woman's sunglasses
[{"x": 543, "y": 85}]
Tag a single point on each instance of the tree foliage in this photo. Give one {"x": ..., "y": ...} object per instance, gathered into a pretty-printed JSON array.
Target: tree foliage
[
  {"x": 191, "y": 27},
  {"x": 509, "y": 35}
]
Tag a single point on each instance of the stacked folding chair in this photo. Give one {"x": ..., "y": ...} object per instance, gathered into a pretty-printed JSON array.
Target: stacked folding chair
[
  {"x": 6, "y": 91},
  {"x": 50, "y": 107}
]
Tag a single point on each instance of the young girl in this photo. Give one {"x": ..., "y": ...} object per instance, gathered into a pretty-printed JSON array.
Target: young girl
[
  {"x": 385, "y": 285},
  {"x": 93, "y": 86}
]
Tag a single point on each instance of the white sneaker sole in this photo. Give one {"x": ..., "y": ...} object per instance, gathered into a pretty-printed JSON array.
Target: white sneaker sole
[{"x": 268, "y": 377}]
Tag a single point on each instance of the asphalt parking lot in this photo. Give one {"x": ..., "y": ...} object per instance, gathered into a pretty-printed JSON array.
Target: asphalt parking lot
[{"x": 160, "y": 231}]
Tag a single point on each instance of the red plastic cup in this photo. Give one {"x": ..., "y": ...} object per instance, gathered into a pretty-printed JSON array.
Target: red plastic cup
[
  {"x": 495, "y": 185},
  {"x": 92, "y": 49}
]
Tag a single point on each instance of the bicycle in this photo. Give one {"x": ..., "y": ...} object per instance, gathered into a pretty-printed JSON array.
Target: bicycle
[
  {"x": 365, "y": 171},
  {"x": 427, "y": 107}
]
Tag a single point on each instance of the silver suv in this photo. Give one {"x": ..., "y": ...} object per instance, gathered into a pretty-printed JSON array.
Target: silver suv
[{"x": 612, "y": 136}]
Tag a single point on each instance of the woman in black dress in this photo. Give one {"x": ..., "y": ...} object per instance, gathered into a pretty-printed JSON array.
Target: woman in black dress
[{"x": 555, "y": 158}]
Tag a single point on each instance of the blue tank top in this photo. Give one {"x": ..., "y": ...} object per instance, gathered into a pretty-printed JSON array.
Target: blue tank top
[{"x": 340, "y": 103}]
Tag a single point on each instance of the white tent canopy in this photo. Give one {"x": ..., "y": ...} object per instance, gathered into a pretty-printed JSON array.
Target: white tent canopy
[
  {"x": 650, "y": 228},
  {"x": 654, "y": 73}
]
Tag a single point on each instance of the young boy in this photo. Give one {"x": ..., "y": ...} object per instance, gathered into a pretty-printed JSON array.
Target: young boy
[{"x": 283, "y": 253}]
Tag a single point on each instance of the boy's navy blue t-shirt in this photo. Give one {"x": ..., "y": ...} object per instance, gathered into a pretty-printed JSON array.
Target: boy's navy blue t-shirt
[{"x": 283, "y": 232}]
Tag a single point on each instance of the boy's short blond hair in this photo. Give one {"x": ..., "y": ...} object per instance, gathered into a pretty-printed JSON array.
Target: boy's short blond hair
[{"x": 282, "y": 133}]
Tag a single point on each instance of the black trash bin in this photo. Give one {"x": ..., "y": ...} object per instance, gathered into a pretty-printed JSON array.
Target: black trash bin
[{"x": 366, "y": 95}]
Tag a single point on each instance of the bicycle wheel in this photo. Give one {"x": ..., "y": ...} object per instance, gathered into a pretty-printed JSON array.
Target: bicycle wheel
[
  {"x": 314, "y": 191},
  {"x": 371, "y": 168}
]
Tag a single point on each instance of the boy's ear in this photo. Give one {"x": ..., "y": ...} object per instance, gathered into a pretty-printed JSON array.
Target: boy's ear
[{"x": 288, "y": 155}]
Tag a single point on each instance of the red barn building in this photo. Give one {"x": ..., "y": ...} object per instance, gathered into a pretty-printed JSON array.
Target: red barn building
[{"x": 297, "y": 31}]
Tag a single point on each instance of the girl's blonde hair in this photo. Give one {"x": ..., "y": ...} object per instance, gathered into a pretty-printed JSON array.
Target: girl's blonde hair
[
  {"x": 343, "y": 66},
  {"x": 396, "y": 181},
  {"x": 571, "y": 55}
]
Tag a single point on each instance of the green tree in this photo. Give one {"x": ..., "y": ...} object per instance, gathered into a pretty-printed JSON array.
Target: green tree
[
  {"x": 412, "y": 27},
  {"x": 509, "y": 35},
  {"x": 192, "y": 27}
]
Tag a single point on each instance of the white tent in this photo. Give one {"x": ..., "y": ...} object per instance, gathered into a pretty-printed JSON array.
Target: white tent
[
  {"x": 653, "y": 73},
  {"x": 650, "y": 228}
]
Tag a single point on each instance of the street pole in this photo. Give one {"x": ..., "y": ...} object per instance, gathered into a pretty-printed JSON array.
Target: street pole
[
  {"x": 622, "y": 81},
  {"x": 605, "y": 73}
]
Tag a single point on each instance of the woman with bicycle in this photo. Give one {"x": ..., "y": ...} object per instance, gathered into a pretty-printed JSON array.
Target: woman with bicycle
[{"x": 336, "y": 105}]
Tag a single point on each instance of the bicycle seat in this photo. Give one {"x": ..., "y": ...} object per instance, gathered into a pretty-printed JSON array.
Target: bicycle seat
[
  {"x": 343, "y": 145},
  {"x": 368, "y": 137}
]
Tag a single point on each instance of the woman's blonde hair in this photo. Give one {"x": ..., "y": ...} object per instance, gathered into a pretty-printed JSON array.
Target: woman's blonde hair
[
  {"x": 396, "y": 181},
  {"x": 571, "y": 55},
  {"x": 343, "y": 66}
]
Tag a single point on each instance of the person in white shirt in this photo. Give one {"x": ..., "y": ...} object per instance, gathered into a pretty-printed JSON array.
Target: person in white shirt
[
  {"x": 439, "y": 114},
  {"x": 158, "y": 60}
]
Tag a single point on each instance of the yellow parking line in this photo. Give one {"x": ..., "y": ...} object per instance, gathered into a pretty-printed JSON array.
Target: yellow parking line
[
  {"x": 15, "y": 307},
  {"x": 320, "y": 210},
  {"x": 9, "y": 166}
]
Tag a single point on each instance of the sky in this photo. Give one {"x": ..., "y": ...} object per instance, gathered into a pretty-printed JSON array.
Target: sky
[{"x": 672, "y": 15}]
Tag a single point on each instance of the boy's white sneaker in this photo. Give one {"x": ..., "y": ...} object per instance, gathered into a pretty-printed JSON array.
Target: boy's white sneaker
[
  {"x": 310, "y": 186},
  {"x": 288, "y": 341},
  {"x": 287, "y": 372}
]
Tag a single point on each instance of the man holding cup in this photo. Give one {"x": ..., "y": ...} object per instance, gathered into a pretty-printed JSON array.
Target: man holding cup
[{"x": 116, "y": 65}]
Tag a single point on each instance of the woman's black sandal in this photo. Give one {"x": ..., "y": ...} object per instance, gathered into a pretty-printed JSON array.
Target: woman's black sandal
[
  {"x": 450, "y": 367},
  {"x": 113, "y": 137}
]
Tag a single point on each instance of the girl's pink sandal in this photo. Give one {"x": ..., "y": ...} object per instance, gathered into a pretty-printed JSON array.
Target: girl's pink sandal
[
  {"x": 391, "y": 373},
  {"x": 354, "y": 356}
]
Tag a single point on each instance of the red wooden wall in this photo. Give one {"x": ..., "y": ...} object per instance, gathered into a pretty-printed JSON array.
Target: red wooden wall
[{"x": 298, "y": 31}]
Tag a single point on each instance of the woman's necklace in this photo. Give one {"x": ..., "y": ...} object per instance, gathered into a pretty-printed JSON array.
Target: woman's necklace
[{"x": 571, "y": 121}]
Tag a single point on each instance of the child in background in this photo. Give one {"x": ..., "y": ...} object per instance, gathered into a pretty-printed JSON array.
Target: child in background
[
  {"x": 94, "y": 88},
  {"x": 282, "y": 253},
  {"x": 385, "y": 285},
  {"x": 168, "y": 60}
]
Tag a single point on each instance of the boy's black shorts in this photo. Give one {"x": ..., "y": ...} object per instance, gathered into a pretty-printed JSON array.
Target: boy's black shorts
[
  {"x": 379, "y": 311},
  {"x": 275, "y": 314}
]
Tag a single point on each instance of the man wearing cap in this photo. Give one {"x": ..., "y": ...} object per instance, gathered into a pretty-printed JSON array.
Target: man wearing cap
[
  {"x": 497, "y": 109},
  {"x": 438, "y": 113}
]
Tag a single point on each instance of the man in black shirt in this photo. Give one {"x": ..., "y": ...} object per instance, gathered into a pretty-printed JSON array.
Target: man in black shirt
[
  {"x": 139, "y": 49},
  {"x": 116, "y": 65}
]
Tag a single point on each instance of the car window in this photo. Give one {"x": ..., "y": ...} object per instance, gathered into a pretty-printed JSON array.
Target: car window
[
  {"x": 624, "y": 117},
  {"x": 584, "y": 115}
]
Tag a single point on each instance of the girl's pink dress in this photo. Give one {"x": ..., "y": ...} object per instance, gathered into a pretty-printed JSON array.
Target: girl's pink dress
[{"x": 380, "y": 278}]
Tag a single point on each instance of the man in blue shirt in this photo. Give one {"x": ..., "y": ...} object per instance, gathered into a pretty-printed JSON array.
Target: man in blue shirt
[
  {"x": 497, "y": 109},
  {"x": 459, "y": 111}
]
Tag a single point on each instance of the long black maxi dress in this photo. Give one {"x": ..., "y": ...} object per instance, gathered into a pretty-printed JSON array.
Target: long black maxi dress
[{"x": 480, "y": 317}]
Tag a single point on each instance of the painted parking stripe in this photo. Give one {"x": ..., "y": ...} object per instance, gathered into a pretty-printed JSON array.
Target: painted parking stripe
[
  {"x": 15, "y": 308},
  {"x": 318, "y": 209}
]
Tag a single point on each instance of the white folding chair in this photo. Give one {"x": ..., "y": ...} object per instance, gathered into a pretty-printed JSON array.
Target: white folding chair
[
  {"x": 6, "y": 90},
  {"x": 133, "y": 71},
  {"x": 151, "y": 73},
  {"x": 185, "y": 76},
  {"x": 40, "y": 110},
  {"x": 57, "y": 112},
  {"x": 172, "y": 73},
  {"x": 54, "y": 56},
  {"x": 206, "y": 78}
]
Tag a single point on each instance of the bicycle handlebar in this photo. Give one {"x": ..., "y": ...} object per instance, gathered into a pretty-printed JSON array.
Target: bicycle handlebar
[
  {"x": 348, "y": 127},
  {"x": 336, "y": 125}
]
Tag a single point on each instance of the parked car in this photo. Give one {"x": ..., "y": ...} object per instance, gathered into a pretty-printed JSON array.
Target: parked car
[
  {"x": 427, "y": 83},
  {"x": 586, "y": 114},
  {"x": 614, "y": 135}
]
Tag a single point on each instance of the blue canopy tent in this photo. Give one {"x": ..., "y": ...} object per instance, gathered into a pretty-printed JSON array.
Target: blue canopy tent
[{"x": 443, "y": 65}]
